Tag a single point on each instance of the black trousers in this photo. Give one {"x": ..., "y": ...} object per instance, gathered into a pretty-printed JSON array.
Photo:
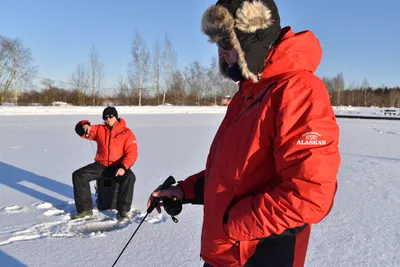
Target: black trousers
[{"x": 96, "y": 171}]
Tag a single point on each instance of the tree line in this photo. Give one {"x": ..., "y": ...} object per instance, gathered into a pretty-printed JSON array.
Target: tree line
[
  {"x": 152, "y": 78},
  {"x": 362, "y": 95}
]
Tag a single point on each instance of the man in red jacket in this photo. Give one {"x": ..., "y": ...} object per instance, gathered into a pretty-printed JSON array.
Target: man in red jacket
[
  {"x": 272, "y": 166},
  {"x": 116, "y": 153}
]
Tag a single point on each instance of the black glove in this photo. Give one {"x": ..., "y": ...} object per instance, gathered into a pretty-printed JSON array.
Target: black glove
[{"x": 79, "y": 128}]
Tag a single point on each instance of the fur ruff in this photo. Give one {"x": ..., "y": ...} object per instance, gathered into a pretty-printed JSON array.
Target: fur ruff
[{"x": 218, "y": 24}]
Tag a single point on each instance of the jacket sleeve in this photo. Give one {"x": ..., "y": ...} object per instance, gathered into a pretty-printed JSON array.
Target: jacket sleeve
[
  {"x": 307, "y": 160},
  {"x": 81, "y": 132},
  {"x": 193, "y": 188},
  {"x": 130, "y": 151}
]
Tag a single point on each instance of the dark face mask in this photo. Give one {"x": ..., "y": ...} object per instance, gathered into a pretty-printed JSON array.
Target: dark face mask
[{"x": 235, "y": 73}]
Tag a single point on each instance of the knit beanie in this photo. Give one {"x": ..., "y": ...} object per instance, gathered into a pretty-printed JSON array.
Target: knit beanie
[{"x": 110, "y": 111}]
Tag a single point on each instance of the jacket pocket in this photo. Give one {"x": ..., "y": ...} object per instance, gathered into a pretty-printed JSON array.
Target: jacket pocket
[{"x": 225, "y": 220}]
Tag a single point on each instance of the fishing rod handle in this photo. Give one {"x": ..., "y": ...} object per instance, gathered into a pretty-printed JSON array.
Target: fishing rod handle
[{"x": 167, "y": 183}]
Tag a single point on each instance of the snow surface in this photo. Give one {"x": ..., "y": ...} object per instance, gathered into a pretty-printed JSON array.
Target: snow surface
[{"x": 39, "y": 153}]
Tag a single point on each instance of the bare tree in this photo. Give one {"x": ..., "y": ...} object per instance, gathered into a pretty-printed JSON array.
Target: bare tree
[
  {"x": 47, "y": 83},
  {"x": 139, "y": 65},
  {"x": 157, "y": 67},
  {"x": 177, "y": 88},
  {"x": 228, "y": 87},
  {"x": 195, "y": 79},
  {"x": 335, "y": 86},
  {"x": 329, "y": 84},
  {"x": 170, "y": 59},
  {"x": 353, "y": 94},
  {"x": 133, "y": 85},
  {"x": 122, "y": 94},
  {"x": 214, "y": 79},
  {"x": 16, "y": 67},
  {"x": 365, "y": 87},
  {"x": 338, "y": 83},
  {"x": 80, "y": 82},
  {"x": 96, "y": 74},
  {"x": 393, "y": 96},
  {"x": 6, "y": 47}
]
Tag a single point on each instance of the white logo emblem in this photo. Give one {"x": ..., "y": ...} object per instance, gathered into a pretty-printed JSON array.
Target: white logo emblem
[{"x": 311, "y": 138}]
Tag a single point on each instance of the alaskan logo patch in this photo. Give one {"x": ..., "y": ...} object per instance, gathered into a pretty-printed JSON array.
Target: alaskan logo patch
[{"x": 311, "y": 138}]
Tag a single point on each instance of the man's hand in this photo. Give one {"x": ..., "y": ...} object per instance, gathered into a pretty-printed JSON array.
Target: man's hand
[
  {"x": 86, "y": 128},
  {"x": 120, "y": 172},
  {"x": 169, "y": 192}
]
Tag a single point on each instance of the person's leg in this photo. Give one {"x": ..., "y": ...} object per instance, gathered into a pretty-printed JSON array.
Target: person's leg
[
  {"x": 125, "y": 190},
  {"x": 80, "y": 180}
]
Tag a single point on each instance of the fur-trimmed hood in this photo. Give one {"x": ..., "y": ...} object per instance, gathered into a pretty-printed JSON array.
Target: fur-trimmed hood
[{"x": 250, "y": 26}]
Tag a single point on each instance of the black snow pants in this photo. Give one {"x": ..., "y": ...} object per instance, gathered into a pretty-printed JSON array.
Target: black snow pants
[{"x": 96, "y": 171}]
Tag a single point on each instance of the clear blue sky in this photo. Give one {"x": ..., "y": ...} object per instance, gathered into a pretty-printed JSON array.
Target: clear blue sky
[{"x": 359, "y": 38}]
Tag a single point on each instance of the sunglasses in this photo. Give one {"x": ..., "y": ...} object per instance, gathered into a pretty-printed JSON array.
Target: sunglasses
[
  {"x": 108, "y": 117},
  {"x": 225, "y": 44}
]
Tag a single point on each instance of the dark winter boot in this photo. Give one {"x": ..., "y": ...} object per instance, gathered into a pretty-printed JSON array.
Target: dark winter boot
[
  {"x": 82, "y": 214},
  {"x": 122, "y": 216}
]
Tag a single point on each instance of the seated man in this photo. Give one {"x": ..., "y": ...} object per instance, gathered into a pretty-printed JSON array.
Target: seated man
[{"x": 116, "y": 153}]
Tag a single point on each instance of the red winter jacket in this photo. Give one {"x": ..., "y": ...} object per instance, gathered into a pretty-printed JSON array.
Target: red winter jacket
[
  {"x": 116, "y": 146},
  {"x": 272, "y": 166}
]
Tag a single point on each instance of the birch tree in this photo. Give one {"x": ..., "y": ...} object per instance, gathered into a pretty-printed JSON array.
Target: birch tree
[
  {"x": 228, "y": 87},
  {"x": 16, "y": 67},
  {"x": 365, "y": 87},
  {"x": 214, "y": 79},
  {"x": 96, "y": 74},
  {"x": 177, "y": 88},
  {"x": 195, "y": 79},
  {"x": 80, "y": 82},
  {"x": 139, "y": 65},
  {"x": 157, "y": 68},
  {"x": 47, "y": 83},
  {"x": 170, "y": 59},
  {"x": 122, "y": 94},
  {"x": 338, "y": 82}
]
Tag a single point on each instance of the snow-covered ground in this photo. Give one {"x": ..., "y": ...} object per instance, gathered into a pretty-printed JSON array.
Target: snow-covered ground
[
  {"x": 39, "y": 153},
  {"x": 73, "y": 110},
  {"x": 165, "y": 109},
  {"x": 367, "y": 111}
]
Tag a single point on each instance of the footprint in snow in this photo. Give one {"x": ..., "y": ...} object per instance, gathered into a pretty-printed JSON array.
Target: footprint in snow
[
  {"x": 50, "y": 210},
  {"x": 53, "y": 212},
  {"x": 106, "y": 221},
  {"x": 12, "y": 209},
  {"x": 153, "y": 219},
  {"x": 95, "y": 226},
  {"x": 43, "y": 205},
  {"x": 99, "y": 224},
  {"x": 41, "y": 230}
]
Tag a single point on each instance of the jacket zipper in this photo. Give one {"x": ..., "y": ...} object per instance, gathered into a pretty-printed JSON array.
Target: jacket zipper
[
  {"x": 234, "y": 245},
  {"x": 211, "y": 163},
  {"x": 217, "y": 144},
  {"x": 258, "y": 100},
  {"x": 109, "y": 146},
  {"x": 216, "y": 147}
]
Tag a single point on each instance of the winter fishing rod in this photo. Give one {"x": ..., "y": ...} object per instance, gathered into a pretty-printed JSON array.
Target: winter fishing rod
[{"x": 171, "y": 205}]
